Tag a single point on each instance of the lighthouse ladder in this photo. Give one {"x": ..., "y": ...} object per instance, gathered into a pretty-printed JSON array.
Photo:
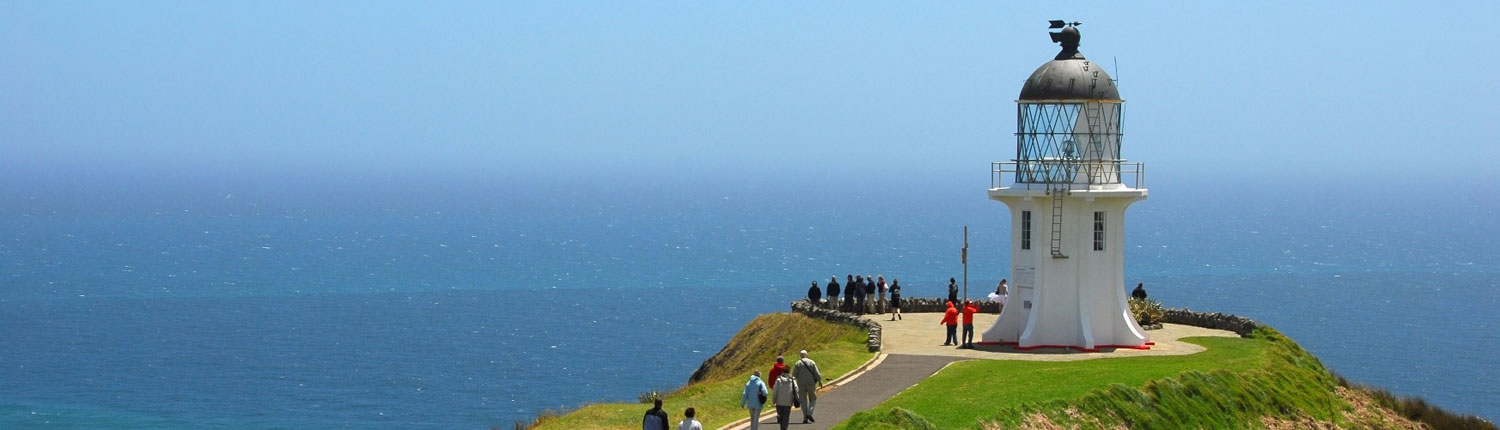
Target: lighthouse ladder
[{"x": 1057, "y": 219}]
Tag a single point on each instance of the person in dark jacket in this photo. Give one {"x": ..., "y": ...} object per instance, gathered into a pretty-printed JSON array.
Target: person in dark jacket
[
  {"x": 833, "y": 292},
  {"x": 952, "y": 291},
  {"x": 849, "y": 289},
  {"x": 869, "y": 294},
  {"x": 655, "y": 419},
  {"x": 815, "y": 295},
  {"x": 1140, "y": 291},
  {"x": 895, "y": 299},
  {"x": 859, "y": 295}
]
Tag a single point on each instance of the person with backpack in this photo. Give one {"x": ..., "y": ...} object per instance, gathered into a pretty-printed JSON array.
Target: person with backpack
[
  {"x": 895, "y": 299},
  {"x": 754, "y": 398},
  {"x": 784, "y": 395}
]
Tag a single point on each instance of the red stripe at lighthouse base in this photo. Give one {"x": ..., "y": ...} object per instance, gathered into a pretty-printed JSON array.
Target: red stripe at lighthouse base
[{"x": 1146, "y": 346}]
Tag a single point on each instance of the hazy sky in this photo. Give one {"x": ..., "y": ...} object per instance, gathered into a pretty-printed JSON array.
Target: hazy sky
[{"x": 1215, "y": 90}]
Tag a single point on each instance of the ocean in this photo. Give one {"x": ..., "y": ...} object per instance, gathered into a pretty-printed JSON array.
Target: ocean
[{"x": 161, "y": 305}]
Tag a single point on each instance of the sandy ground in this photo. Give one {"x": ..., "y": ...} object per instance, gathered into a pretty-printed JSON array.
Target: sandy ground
[{"x": 920, "y": 334}]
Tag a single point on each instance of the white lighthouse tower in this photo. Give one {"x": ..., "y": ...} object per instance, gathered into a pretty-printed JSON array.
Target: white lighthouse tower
[{"x": 1067, "y": 190}]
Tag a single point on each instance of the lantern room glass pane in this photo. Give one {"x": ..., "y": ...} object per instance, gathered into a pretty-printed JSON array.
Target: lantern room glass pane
[{"x": 1068, "y": 142}]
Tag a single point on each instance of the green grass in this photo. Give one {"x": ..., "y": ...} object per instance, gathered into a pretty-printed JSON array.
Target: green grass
[
  {"x": 1235, "y": 381},
  {"x": 838, "y": 349}
]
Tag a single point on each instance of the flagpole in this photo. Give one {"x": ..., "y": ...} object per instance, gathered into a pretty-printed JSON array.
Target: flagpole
[{"x": 965, "y": 258}]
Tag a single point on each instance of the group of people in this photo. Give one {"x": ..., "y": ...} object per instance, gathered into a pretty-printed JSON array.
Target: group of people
[
  {"x": 951, "y": 319},
  {"x": 796, "y": 386},
  {"x": 861, "y": 295}
]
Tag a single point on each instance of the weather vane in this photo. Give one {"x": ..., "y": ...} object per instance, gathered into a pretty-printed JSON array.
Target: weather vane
[{"x": 1057, "y": 23}]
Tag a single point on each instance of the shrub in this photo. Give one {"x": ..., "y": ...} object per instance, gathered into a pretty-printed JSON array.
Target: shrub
[
  {"x": 650, "y": 396},
  {"x": 1146, "y": 311}
]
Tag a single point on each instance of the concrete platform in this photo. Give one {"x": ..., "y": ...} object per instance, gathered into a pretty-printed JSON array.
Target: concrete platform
[{"x": 920, "y": 334}]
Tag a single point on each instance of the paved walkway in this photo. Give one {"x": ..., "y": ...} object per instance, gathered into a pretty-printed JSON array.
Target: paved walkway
[
  {"x": 893, "y": 373},
  {"x": 913, "y": 351}
]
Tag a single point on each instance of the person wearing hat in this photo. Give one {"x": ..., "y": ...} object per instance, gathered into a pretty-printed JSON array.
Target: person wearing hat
[{"x": 805, "y": 371}]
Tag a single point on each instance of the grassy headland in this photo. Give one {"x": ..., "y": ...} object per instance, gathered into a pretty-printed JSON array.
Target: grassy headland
[
  {"x": 1263, "y": 381},
  {"x": 714, "y": 390}
]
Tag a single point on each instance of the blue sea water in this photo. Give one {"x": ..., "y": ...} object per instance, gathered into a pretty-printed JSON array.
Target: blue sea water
[{"x": 225, "y": 305}]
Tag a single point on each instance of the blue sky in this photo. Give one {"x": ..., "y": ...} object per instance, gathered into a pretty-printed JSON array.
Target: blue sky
[{"x": 1218, "y": 91}]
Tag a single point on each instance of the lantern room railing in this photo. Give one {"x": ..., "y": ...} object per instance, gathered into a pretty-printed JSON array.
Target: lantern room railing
[{"x": 1043, "y": 175}]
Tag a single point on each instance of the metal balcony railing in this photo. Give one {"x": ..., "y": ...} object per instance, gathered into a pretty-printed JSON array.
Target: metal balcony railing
[{"x": 1055, "y": 174}]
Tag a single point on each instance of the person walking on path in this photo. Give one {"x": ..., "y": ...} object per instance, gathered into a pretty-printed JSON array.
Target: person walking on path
[
  {"x": 833, "y": 292},
  {"x": 880, "y": 291},
  {"x": 969, "y": 309},
  {"x": 805, "y": 371},
  {"x": 689, "y": 423},
  {"x": 950, "y": 319},
  {"x": 776, "y": 371},
  {"x": 655, "y": 419},
  {"x": 814, "y": 295},
  {"x": 754, "y": 398},
  {"x": 952, "y": 291},
  {"x": 895, "y": 299},
  {"x": 784, "y": 391}
]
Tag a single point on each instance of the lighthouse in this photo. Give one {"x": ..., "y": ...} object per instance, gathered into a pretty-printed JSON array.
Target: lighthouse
[{"x": 1067, "y": 190}]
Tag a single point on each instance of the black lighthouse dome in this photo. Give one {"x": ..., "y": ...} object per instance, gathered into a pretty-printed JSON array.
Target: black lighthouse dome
[{"x": 1069, "y": 76}]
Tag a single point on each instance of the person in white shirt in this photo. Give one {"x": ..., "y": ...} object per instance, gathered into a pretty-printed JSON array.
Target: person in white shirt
[
  {"x": 784, "y": 396},
  {"x": 689, "y": 423}
]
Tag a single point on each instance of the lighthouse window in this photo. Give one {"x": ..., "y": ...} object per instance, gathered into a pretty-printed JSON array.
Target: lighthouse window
[
  {"x": 1098, "y": 231},
  {"x": 1025, "y": 229}
]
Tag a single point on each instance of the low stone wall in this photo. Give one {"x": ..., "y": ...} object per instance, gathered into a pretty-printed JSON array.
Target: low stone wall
[
  {"x": 936, "y": 304},
  {"x": 1235, "y": 323},
  {"x": 871, "y": 327},
  {"x": 939, "y": 304}
]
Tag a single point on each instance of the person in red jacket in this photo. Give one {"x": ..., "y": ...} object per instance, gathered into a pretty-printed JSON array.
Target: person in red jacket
[
  {"x": 969, "y": 309},
  {"x": 776, "y": 370},
  {"x": 950, "y": 319}
]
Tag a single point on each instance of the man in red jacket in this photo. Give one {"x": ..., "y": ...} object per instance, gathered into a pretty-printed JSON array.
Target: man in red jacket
[
  {"x": 776, "y": 370},
  {"x": 950, "y": 319},
  {"x": 969, "y": 309}
]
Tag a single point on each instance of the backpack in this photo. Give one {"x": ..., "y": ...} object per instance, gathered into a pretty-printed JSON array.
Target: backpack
[{"x": 761, "y": 394}]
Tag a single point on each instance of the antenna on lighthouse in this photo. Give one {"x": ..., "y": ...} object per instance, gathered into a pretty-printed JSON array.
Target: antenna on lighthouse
[{"x": 1117, "y": 69}]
